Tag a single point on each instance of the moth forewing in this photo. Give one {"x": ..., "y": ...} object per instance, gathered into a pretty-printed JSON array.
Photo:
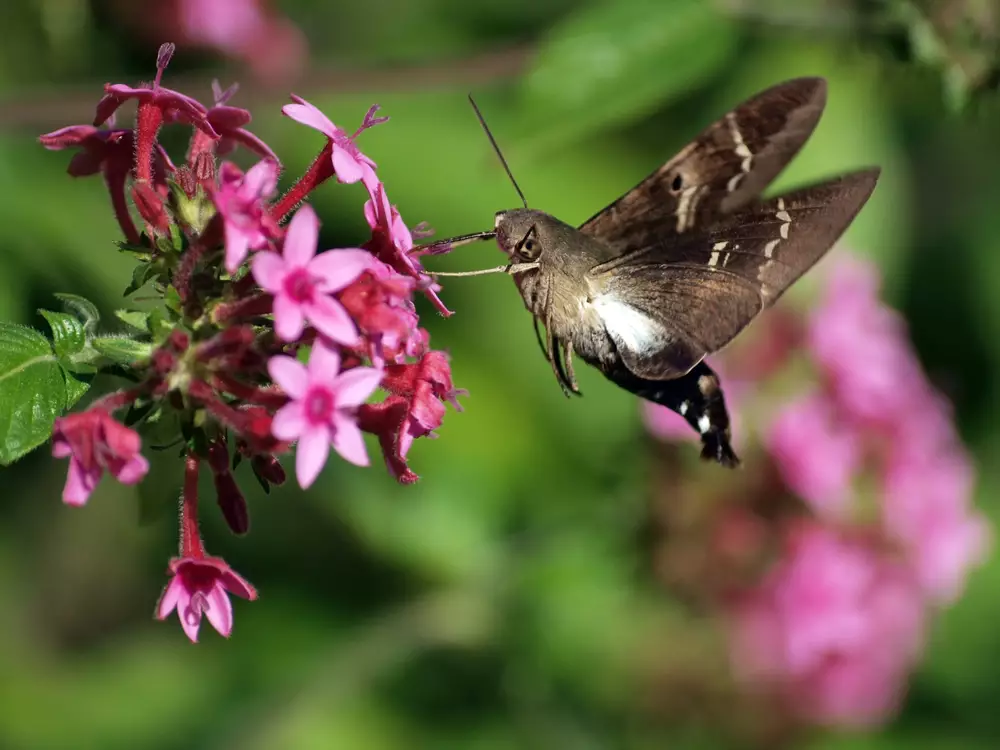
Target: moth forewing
[{"x": 723, "y": 169}]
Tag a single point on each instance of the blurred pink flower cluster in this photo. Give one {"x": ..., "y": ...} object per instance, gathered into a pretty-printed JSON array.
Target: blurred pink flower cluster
[
  {"x": 245, "y": 297},
  {"x": 884, "y": 531}
]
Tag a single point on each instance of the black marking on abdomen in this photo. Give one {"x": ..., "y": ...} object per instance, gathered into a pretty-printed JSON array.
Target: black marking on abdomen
[{"x": 696, "y": 396}]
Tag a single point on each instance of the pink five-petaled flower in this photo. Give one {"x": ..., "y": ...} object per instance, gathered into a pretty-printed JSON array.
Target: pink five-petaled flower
[
  {"x": 95, "y": 443},
  {"x": 835, "y": 627},
  {"x": 240, "y": 198},
  {"x": 817, "y": 453},
  {"x": 862, "y": 348},
  {"x": 392, "y": 243},
  {"x": 349, "y": 164},
  {"x": 199, "y": 587},
  {"x": 302, "y": 282},
  {"x": 322, "y": 410}
]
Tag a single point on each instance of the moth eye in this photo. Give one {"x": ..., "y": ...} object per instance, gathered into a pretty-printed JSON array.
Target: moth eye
[
  {"x": 529, "y": 245},
  {"x": 678, "y": 183}
]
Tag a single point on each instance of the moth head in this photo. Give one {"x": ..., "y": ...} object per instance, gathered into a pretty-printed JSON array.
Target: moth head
[{"x": 521, "y": 233}]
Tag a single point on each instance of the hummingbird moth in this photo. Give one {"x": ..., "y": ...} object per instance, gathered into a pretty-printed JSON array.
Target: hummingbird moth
[{"x": 677, "y": 267}]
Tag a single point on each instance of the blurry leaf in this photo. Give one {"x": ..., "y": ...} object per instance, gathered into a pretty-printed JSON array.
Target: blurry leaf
[
  {"x": 83, "y": 308},
  {"x": 32, "y": 390},
  {"x": 135, "y": 318},
  {"x": 76, "y": 387},
  {"x": 140, "y": 275},
  {"x": 617, "y": 60},
  {"x": 67, "y": 333},
  {"x": 122, "y": 349}
]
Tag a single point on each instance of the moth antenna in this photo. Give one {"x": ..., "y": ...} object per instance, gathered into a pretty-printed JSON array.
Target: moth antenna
[{"x": 496, "y": 148}]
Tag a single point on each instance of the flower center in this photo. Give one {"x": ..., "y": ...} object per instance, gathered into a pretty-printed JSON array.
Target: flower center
[
  {"x": 300, "y": 286},
  {"x": 319, "y": 406}
]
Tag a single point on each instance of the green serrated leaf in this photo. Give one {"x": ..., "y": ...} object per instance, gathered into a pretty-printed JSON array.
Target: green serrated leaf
[
  {"x": 136, "y": 251},
  {"x": 85, "y": 310},
  {"x": 140, "y": 275},
  {"x": 616, "y": 60},
  {"x": 68, "y": 337},
  {"x": 135, "y": 318},
  {"x": 32, "y": 390},
  {"x": 76, "y": 386},
  {"x": 122, "y": 349}
]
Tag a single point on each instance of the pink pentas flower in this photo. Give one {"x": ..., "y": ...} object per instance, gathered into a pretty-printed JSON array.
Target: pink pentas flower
[
  {"x": 322, "y": 409},
  {"x": 817, "y": 454},
  {"x": 94, "y": 443},
  {"x": 926, "y": 506},
  {"x": 349, "y": 164},
  {"x": 303, "y": 283},
  {"x": 201, "y": 586},
  {"x": 834, "y": 627},
  {"x": 862, "y": 347},
  {"x": 425, "y": 385},
  {"x": 174, "y": 106},
  {"x": 380, "y": 302},
  {"x": 392, "y": 243},
  {"x": 241, "y": 199}
]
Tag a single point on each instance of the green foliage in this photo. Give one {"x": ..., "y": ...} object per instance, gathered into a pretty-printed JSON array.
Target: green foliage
[
  {"x": 504, "y": 600},
  {"x": 32, "y": 390}
]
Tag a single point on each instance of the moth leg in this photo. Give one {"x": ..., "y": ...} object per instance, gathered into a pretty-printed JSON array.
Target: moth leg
[
  {"x": 538, "y": 337},
  {"x": 552, "y": 352},
  {"x": 568, "y": 360},
  {"x": 696, "y": 396}
]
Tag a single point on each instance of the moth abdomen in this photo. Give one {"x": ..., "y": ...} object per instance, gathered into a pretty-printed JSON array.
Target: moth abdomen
[{"x": 696, "y": 396}]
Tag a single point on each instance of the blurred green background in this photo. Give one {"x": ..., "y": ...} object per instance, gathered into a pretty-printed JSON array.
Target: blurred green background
[{"x": 505, "y": 601}]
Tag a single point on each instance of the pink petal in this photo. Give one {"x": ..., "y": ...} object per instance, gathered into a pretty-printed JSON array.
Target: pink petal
[
  {"x": 312, "y": 452},
  {"x": 370, "y": 216},
  {"x": 324, "y": 363},
  {"x": 289, "y": 421},
  {"x": 219, "y": 610},
  {"x": 189, "y": 612},
  {"x": 261, "y": 179},
  {"x": 353, "y": 387},
  {"x": 288, "y": 318},
  {"x": 332, "y": 320},
  {"x": 301, "y": 238},
  {"x": 237, "y": 585},
  {"x": 338, "y": 268},
  {"x": 348, "y": 440},
  {"x": 169, "y": 598},
  {"x": 133, "y": 471},
  {"x": 288, "y": 373},
  {"x": 79, "y": 483},
  {"x": 307, "y": 114},
  {"x": 268, "y": 270},
  {"x": 346, "y": 166},
  {"x": 237, "y": 248}
]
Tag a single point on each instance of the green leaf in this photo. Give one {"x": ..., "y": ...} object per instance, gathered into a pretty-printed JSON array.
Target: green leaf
[
  {"x": 122, "y": 349},
  {"x": 68, "y": 337},
  {"x": 76, "y": 387},
  {"x": 617, "y": 60},
  {"x": 140, "y": 275},
  {"x": 32, "y": 391},
  {"x": 135, "y": 318},
  {"x": 83, "y": 308}
]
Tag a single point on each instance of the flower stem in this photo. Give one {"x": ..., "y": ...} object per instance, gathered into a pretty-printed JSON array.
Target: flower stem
[{"x": 319, "y": 172}]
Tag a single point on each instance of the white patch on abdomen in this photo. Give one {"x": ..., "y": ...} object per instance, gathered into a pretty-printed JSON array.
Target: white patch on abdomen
[{"x": 626, "y": 325}]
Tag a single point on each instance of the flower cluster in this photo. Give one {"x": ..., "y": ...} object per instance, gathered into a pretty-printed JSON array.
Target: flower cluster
[
  {"x": 839, "y": 584},
  {"x": 262, "y": 342}
]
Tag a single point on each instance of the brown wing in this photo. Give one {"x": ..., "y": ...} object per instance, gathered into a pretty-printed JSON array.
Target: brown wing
[
  {"x": 722, "y": 170},
  {"x": 670, "y": 304}
]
